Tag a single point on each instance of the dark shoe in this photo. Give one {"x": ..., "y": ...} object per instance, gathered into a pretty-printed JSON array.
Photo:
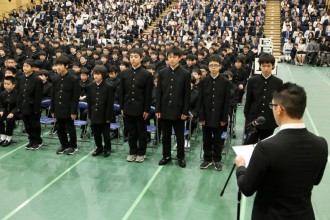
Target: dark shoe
[
  {"x": 29, "y": 146},
  {"x": 125, "y": 138},
  {"x": 154, "y": 142},
  {"x": 36, "y": 146},
  {"x": 205, "y": 165},
  {"x": 97, "y": 152},
  {"x": 218, "y": 166},
  {"x": 106, "y": 153},
  {"x": 2, "y": 141},
  {"x": 71, "y": 150},
  {"x": 164, "y": 161},
  {"x": 182, "y": 163},
  {"x": 6, "y": 143},
  {"x": 62, "y": 150}
]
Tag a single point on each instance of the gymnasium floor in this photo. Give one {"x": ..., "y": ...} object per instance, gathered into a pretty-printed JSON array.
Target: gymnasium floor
[{"x": 42, "y": 185}]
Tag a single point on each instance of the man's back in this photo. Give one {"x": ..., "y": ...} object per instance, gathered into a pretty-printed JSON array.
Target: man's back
[{"x": 283, "y": 171}]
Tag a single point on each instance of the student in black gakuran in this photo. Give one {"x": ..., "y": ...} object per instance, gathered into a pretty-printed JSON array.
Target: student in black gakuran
[
  {"x": 29, "y": 92},
  {"x": 172, "y": 104},
  {"x": 135, "y": 91},
  {"x": 258, "y": 95},
  {"x": 64, "y": 105},
  {"x": 8, "y": 111},
  {"x": 100, "y": 106},
  {"x": 215, "y": 100}
]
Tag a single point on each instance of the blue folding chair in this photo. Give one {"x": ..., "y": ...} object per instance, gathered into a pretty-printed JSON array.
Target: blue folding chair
[
  {"x": 45, "y": 120},
  {"x": 78, "y": 123},
  {"x": 117, "y": 125},
  {"x": 153, "y": 129}
]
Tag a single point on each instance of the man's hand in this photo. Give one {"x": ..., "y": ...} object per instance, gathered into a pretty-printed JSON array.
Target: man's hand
[
  {"x": 183, "y": 117},
  {"x": 239, "y": 161},
  {"x": 73, "y": 117},
  {"x": 52, "y": 114},
  {"x": 158, "y": 115},
  {"x": 145, "y": 115},
  {"x": 241, "y": 86},
  {"x": 1, "y": 114},
  {"x": 202, "y": 123},
  {"x": 11, "y": 115},
  {"x": 122, "y": 112},
  {"x": 222, "y": 123}
]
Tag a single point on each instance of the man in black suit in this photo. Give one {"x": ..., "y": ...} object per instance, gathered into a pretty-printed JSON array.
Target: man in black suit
[
  {"x": 172, "y": 104},
  {"x": 100, "y": 107},
  {"x": 214, "y": 109},
  {"x": 135, "y": 91},
  {"x": 284, "y": 168},
  {"x": 64, "y": 106},
  {"x": 29, "y": 92},
  {"x": 258, "y": 95}
]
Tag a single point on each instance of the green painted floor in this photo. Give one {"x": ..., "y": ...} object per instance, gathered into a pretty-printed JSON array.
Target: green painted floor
[{"x": 42, "y": 185}]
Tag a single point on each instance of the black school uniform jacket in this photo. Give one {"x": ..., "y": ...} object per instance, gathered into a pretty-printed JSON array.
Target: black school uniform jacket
[
  {"x": 173, "y": 93},
  {"x": 100, "y": 102},
  {"x": 135, "y": 89},
  {"x": 29, "y": 92},
  {"x": 65, "y": 95},
  {"x": 259, "y": 94},
  {"x": 214, "y": 100},
  {"x": 8, "y": 102}
]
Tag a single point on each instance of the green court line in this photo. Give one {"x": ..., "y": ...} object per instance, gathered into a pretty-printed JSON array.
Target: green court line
[
  {"x": 16, "y": 149},
  {"x": 26, "y": 202},
  {"x": 139, "y": 198}
]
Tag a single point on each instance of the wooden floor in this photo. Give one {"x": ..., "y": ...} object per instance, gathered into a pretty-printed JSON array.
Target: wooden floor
[{"x": 42, "y": 185}]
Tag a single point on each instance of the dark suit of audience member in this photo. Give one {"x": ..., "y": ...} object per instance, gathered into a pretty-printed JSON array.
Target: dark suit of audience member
[
  {"x": 240, "y": 77},
  {"x": 135, "y": 90},
  {"x": 258, "y": 96},
  {"x": 172, "y": 101},
  {"x": 29, "y": 92}
]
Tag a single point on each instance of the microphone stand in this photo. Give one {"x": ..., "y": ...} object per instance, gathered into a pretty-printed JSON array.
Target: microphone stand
[{"x": 239, "y": 193}]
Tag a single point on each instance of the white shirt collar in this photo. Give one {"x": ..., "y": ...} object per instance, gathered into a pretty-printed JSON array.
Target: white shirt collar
[
  {"x": 265, "y": 76},
  {"x": 293, "y": 126}
]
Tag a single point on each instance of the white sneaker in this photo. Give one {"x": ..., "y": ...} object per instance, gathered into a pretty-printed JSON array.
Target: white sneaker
[
  {"x": 131, "y": 158},
  {"x": 140, "y": 159}
]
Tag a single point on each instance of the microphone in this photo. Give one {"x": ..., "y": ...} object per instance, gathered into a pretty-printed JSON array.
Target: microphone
[{"x": 259, "y": 121}]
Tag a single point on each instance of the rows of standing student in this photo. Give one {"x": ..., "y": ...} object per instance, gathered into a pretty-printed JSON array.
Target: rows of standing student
[{"x": 207, "y": 100}]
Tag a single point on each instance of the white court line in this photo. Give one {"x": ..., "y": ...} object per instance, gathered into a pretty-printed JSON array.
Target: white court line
[
  {"x": 139, "y": 198},
  {"x": 307, "y": 111},
  {"x": 45, "y": 187}
]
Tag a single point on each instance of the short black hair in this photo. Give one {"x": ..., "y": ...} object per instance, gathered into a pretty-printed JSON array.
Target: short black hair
[
  {"x": 266, "y": 58},
  {"x": 63, "y": 59},
  {"x": 197, "y": 70},
  {"x": 44, "y": 73},
  {"x": 11, "y": 69},
  {"x": 191, "y": 57},
  {"x": 124, "y": 63},
  {"x": 175, "y": 51},
  {"x": 215, "y": 58},
  {"x": 85, "y": 71},
  {"x": 11, "y": 79},
  {"x": 136, "y": 51},
  {"x": 292, "y": 98},
  {"x": 29, "y": 62},
  {"x": 100, "y": 69}
]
